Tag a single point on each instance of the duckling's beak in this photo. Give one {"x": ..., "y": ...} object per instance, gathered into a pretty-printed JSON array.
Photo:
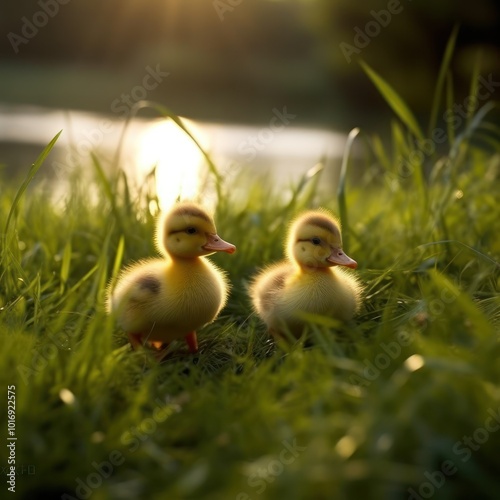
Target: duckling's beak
[
  {"x": 339, "y": 258},
  {"x": 217, "y": 244}
]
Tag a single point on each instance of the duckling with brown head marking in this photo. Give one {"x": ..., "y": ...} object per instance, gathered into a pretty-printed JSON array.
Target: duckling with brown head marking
[
  {"x": 160, "y": 300},
  {"x": 310, "y": 280}
]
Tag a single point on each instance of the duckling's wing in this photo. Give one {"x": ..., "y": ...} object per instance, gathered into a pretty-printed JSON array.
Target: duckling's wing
[
  {"x": 148, "y": 283},
  {"x": 138, "y": 285},
  {"x": 267, "y": 286}
]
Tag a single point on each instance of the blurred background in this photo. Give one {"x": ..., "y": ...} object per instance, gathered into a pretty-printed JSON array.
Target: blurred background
[{"x": 274, "y": 84}]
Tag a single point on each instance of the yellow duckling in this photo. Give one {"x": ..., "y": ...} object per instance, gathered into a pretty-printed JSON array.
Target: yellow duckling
[
  {"x": 310, "y": 279},
  {"x": 160, "y": 300}
]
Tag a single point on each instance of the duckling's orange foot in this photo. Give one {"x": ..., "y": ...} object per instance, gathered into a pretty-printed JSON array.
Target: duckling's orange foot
[{"x": 192, "y": 342}]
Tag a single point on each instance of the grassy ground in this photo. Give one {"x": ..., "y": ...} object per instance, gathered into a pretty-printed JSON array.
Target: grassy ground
[{"x": 402, "y": 403}]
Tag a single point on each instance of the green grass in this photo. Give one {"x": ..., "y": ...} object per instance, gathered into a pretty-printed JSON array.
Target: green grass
[{"x": 369, "y": 409}]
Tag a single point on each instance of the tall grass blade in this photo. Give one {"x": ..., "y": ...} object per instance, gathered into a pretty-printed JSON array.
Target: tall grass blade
[
  {"x": 211, "y": 165},
  {"x": 472, "y": 126},
  {"x": 394, "y": 100},
  {"x": 449, "y": 105},
  {"x": 443, "y": 71},
  {"x": 118, "y": 257},
  {"x": 465, "y": 303},
  {"x": 379, "y": 151},
  {"x": 167, "y": 113},
  {"x": 300, "y": 195},
  {"x": 32, "y": 172},
  {"x": 108, "y": 190},
  {"x": 65, "y": 265},
  {"x": 341, "y": 189},
  {"x": 472, "y": 249},
  {"x": 399, "y": 143},
  {"x": 474, "y": 87}
]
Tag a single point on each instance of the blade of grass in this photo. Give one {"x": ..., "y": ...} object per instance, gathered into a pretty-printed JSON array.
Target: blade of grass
[
  {"x": 399, "y": 144},
  {"x": 310, "y": 178},
  {"x": 118, "y": 257},
  {"x": 76, "y": 286},
  {"x": 472, "y": 249},
  {"x": 471, "y": 127},
  {"x": 167, "y": 113},
  {"x": 449, "y": 105},
  {"x": 474, "y": 86},
  {"x": 37, "y": 292},
  {"x": 32, "y": 172},
  {"x": 211, "y": 165},
  {"x": 313, "y": 177},
  {"x": 108, "y": 191},
  {"x": 443, "y": 70},
  {"x": 100, "y": 279},
  {"x": 380, "y": 153},
  {"x": 65, "y": 265},
  {"x": 465, "y": 303},
  {"x": 341, "y": 189},
  {"x": 394, "y": 100}
]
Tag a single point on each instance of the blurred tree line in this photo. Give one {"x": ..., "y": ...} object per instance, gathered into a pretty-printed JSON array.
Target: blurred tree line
[{"x": 237, "y": 59}]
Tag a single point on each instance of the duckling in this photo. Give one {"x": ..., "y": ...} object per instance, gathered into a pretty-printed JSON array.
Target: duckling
[
  {"x": 310, "y": 279},
  {"x": 163, "y": 299}
]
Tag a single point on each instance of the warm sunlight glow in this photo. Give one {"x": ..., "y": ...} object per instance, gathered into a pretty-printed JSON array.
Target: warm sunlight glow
[
  {"x": 414, "y": 363},
  {"x": 346, "y": 446},
  {"x": 67, "y": 396},
  {"x": 178, "y": 160}
]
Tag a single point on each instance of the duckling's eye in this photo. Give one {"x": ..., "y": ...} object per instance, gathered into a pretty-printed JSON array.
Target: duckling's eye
[
  {"x": 191, "y": 230},
  {"x": 315, "y": 241}
]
